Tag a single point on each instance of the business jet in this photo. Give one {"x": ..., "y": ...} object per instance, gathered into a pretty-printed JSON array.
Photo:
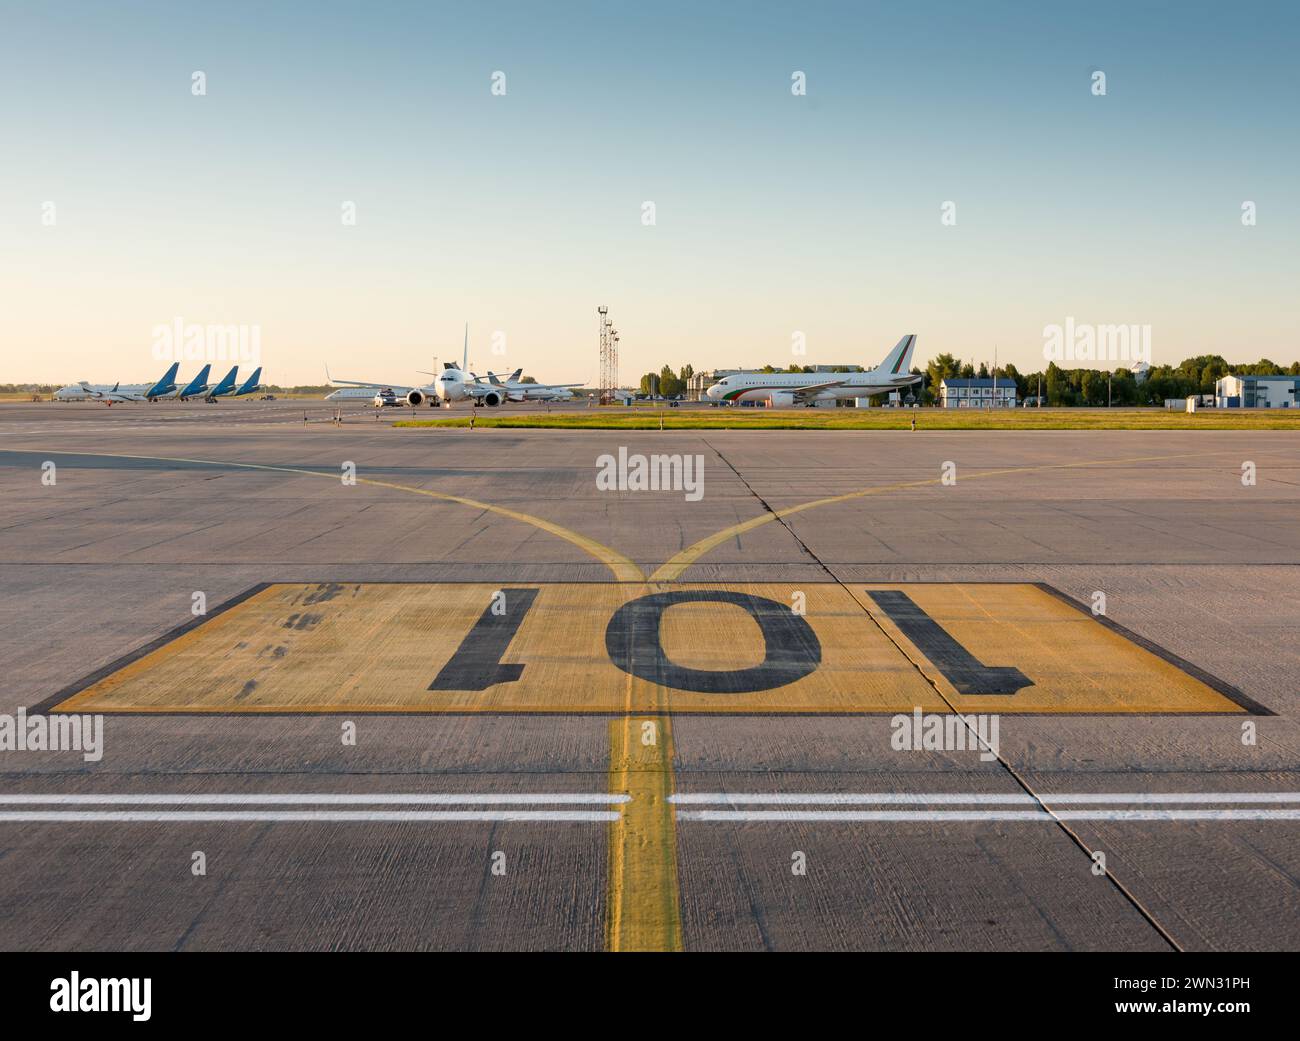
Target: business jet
[
  {"x": 380, "y": 397},
  {"x": 785, "y": 389},
  {"x": 354, "y": 393},
  {"x": 114, "y": 395}
]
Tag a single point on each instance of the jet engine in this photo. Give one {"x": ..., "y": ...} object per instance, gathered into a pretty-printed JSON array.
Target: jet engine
[
  {"x": 782, "y": 399},
  {"x": 415, "y": 398},
  {"x": 491, "y": 399}
]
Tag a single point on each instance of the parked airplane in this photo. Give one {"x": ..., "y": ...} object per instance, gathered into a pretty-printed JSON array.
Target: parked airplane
[
  {"x": 224, "y": 388},
  {"x": 252, "y": 385},
  {"x": 355, "y": 389},
  {"x": 83, "y": 391},
  {"x": 456, "y": 383},
  {"x": 166, "y": 386},
  {"x": 514, "y": 389},
  {"x": 380, "y": 397},
  {"x": 784, "y": 389},
  {"x": 353, "y": 393},
  {"x": 197, "y": 387},
  {"x": 163, "y": 388}
]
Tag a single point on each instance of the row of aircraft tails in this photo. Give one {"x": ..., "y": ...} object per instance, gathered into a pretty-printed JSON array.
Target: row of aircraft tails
[
  {"x": 165, "y": 388},
  {"x": 453, "y": 385}
]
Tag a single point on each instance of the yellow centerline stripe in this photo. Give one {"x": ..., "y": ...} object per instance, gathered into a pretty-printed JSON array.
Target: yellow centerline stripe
[
  {"x": 642, "y": 911},
  {"x": 673, "y": 568},
  {"x": 623, "y": 568}
]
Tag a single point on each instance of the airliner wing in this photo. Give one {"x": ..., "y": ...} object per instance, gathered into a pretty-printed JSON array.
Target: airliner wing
[
  {"x": 801, "y": 393},
  {"x": 377, "y": 384}
]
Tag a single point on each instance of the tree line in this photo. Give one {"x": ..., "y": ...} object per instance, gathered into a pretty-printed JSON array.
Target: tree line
[{"x": 1119, "y": 386}]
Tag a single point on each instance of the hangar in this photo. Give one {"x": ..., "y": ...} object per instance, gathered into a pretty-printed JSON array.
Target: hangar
[{"x": 1257, "y": 392}]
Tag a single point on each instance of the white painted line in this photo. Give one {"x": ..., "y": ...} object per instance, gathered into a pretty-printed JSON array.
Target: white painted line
[
  {"x": 987, "y": 815},
  {"x": 317, "y": 799},
  {"x": 327, "y": 816},
  {"x": 847, "y": 798},
  {"x": 863, "y": 815},
  {"x": 1149, "y": 798},
  {"x": 971, "y": 798},
  {"x": 1178, "y": 815}
]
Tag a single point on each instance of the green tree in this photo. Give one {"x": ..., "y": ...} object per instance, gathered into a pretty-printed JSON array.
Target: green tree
[
  {"x": 942, "y": 367},
  {"x": 1057, "y": 385},
  {"x": 669, "y": 385}
]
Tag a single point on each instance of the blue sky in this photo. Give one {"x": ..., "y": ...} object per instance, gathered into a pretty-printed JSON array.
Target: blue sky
[{"x": 774, "y": 213}]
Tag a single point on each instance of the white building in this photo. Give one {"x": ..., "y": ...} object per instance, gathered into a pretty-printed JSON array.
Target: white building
[
  {"x": 977, "y": 393},
  {"x": 1257, "y": 392}
]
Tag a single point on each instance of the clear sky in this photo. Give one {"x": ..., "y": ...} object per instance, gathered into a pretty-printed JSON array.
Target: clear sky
[{"x": 521, "y": 213}]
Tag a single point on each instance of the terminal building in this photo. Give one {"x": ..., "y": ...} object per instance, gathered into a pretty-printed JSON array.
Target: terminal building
[
  {"x": 1257, "y": 392},
  {"x": 977, "y": 393}
]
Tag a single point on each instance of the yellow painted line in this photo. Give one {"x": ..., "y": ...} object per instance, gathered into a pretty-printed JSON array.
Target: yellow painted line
[
  {"x": 671, "y": 570},
  {"x": 624, "y": 569},
  {"x": 642, "y": 897}
]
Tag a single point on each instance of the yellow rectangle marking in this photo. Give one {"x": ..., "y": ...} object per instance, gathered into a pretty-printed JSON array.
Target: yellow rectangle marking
[
  {"x": 1075, "y": 663},
  {"x": 379, "y": 647}
]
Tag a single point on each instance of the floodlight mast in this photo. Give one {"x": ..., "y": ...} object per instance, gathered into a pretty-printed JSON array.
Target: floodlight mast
[{"x": 608, "y": 357}]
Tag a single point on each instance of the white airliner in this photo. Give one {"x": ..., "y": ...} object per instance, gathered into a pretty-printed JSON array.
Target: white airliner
[
  {"x": 784, "y": 389},
  {"x": 355, "y": 390},
  {"x": 456, "y": 383}
]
